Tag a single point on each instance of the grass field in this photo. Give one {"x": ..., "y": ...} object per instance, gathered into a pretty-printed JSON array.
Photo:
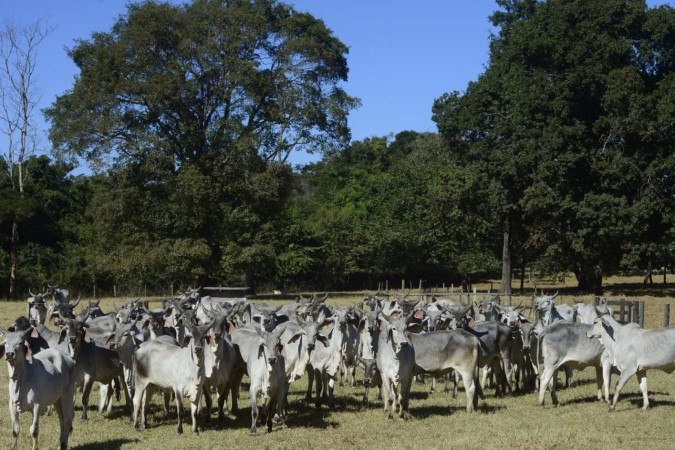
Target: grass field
[{"x": 437, "y": 420}]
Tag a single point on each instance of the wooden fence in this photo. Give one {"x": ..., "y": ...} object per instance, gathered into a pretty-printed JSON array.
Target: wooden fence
[{"x": 626, "y": 311}]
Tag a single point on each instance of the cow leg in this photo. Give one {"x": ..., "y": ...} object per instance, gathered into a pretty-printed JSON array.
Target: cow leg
[
  {"x": 65, "y": 421},
  {"x": 16, "y": 425},
  {"x": 35, "y": 426},
  {"x": 207, "y": 402},
  {"x": 310, "y": 382},
  {"x": 623, "y": 379},
  {"x": 554, "y": 386},
  {"x": 86, "y": 390},
  {"x": 642, "y": 379},
  {"x": 104, "y": 396},
  {"x": 179, "y": 410},
  {"x": 254, "y": 410},
  {"x": 342, "y": 368},
  {"x": 194, "y": 409},
  {"x": 352, "y": 372},
  {"x": 568, "y": 377},
  {"x": 469, "y": 389},
  {"x": 234, "y": 393},
  {"x": 455, "y": 382},
  {"x": 139, "y": 399},
  {"x": 330, "y": 382},
  {"x": 222, "y": 394},
  {"x": 127, "y": 397},
  {"x": 598, "y": 381},
  {"x": 319, "y": 388},
  {"x": 606, "y": 376},
  {"x": 271, "y": 405},
  {"x": 545, "y": 380}
]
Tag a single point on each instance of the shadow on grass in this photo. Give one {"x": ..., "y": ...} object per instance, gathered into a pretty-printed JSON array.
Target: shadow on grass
[
  {"x": 106, "y": 445},
  {"x": 441, "y": 410}
]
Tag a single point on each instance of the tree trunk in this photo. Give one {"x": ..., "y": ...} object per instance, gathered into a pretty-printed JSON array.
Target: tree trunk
[
  {"x": 13, "y": 260},
  {"x": 648, "y": 276},
  {"x": 590, "y": 282},
  {"x": 506, "y": 261},
  {"x": 250, "y": 278}
]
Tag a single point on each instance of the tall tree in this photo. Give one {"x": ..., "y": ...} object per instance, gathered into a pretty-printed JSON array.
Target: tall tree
[
  {"x": 195, "y": 108},
  {"x": 18, "y": 99},
  {"x": 558, "y": 118}
]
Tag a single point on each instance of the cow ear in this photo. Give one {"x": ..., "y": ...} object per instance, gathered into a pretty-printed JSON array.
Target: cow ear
[
  {"x": 261, "y": 351},
  {"x": 29, "y": 354},
  {"x": 146, "y": 324},
  {"x": 210, "y": 340},
  {"x": 2, "y": 349},
  {"x": 362, "y": 324},
  {"x": 295, "y": 337},
  {"x": 110, "y": 337},
  {"x": 186, "y": 340},
  {"x": 87, "y": 338},
  {"x": 62, "y": 335},
  {"x": 323, "y": 339},
  {"x": 34, "y": 333}
]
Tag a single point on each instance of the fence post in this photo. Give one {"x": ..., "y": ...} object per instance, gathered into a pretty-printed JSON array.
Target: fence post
[
  {"x": 666, "y": 314},
  {"x": 403, "y": 284},
  {"x": 622, "y": 313},
  {"x": 641, "y": 312},
  {"x": 596, "y": 300},
  {"x": 420, "y": 285},
  {"x": 635, "y": 313}
]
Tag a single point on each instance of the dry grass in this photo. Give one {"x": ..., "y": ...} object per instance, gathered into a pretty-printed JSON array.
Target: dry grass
[{"x": 437, "y": 419}]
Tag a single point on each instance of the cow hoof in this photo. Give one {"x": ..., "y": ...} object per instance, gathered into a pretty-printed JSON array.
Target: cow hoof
[
  {"x": 254, "y": 432},
  {"x": 195, "y": 432},
  {"x": 179, "y": 430}
]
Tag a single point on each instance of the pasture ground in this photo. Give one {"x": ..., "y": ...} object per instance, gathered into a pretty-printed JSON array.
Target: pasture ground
[{"x": 437, "y": 420}]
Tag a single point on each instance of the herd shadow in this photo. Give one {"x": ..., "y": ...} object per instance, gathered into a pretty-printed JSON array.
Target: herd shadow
[{"x": 114, "y": 444}]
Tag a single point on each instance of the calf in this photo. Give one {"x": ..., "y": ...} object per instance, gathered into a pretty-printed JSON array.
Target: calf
[
  {"x": 37, "y": 381},
  {"x": 633, "y": 350}
]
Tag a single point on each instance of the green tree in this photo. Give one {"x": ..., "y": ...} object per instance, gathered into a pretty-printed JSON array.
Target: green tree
[
  {"x": 558, "y": 120},
  {"x": 194, "y": 109}
]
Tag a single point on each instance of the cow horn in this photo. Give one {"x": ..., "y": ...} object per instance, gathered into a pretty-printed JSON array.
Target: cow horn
[
  {"x": 115, "y": 308},
  {"x": 555, "y": 295},
  {"x": 31, "y": 293},
  {"x": 77, "y": 302}
]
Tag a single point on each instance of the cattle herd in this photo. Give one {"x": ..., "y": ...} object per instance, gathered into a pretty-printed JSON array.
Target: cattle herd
[{"x": 196, "y": 346}]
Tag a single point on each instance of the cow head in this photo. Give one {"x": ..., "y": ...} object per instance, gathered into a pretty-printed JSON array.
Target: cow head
[
  {"x": 15, "y": 349},
  {"x": 394, "y": 329},
  {"x": 37, "y": 307},
  {"x": 369, "y": 370},
  {"x": 74, "y": 331}
]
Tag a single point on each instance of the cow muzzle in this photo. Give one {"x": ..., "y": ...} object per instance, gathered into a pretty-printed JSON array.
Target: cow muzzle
[
  {"x": 9, "y": 356},
  {"x": 199, "y": 350}
]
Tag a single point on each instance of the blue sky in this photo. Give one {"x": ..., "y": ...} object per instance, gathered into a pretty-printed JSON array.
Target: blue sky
[{"x": 403, "y": 53}]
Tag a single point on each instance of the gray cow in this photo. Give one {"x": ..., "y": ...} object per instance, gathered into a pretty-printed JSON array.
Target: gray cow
[
  {"x": 94, "y": 362},
  {"x": 265, "y": 367},
  {"x": 566, "y": 344},
  {"x": 439, "y": 352},
  {"x": 633, "y": 350},
  {"x": 37, "y": 381},
  {"x": 549, "y": 312},
  {"x": 169, "y": 366},
  {"x": 324, "y": 364},
  {"x": 37, "y": 307},
  {"x": 395, "y": 361}
]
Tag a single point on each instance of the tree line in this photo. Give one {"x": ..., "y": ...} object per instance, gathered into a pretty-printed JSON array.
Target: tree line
[{"x": 560, "y": 156}]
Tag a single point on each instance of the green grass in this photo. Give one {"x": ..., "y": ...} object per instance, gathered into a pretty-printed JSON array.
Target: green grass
[{"x": 437, "y": 420}]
